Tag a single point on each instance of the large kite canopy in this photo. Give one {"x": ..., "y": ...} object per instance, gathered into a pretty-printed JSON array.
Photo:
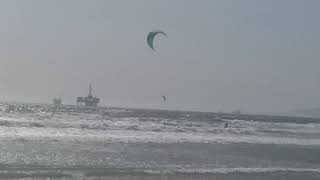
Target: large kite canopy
[{"x": 151, "y": 37}]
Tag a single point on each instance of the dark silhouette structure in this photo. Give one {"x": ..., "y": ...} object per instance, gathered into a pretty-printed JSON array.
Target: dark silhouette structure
[{"x": 89, "y": 101}]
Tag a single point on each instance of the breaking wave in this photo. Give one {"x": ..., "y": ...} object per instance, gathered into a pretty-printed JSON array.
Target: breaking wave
[
  {"x": 154, "y": 126},
  {"x": 232, "y": 170}
]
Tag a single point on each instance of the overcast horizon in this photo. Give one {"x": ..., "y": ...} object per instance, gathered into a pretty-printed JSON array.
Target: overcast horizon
[{"x": 256, "y": 56}]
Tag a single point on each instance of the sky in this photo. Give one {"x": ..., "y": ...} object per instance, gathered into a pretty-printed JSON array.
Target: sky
[{"x": 220, "y": 55}]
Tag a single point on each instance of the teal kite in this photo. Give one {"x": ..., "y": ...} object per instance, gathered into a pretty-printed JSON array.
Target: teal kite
[{"x": 151, "y": 37}]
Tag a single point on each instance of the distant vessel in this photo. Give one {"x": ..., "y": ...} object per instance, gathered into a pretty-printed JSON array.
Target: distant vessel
[
  {"x": 89, "y": 101},
  {"x": 57, "y": 101},
  {"x": 238, "y": 112}
]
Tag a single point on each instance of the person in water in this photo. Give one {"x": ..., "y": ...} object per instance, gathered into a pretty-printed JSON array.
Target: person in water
[{"x": 226, "y": 125}]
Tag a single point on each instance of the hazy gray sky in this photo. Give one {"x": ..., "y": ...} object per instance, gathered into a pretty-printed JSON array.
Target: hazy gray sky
[{"x": 257, "y": 56}]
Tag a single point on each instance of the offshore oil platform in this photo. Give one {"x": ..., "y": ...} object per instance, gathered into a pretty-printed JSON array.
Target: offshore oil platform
[{"x": 89, "y": 101}]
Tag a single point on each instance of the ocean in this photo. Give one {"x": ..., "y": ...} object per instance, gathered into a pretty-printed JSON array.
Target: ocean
[{"x": 45, "y": 142}]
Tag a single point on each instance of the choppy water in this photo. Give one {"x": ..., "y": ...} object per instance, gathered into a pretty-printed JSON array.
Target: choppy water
[{"x": 68, "y": 142}]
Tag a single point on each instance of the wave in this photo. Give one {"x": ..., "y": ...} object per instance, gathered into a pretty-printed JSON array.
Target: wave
[
  {"x": 158, "y": 130},
  {"x": 239, "y": 173},
  {"x": 238, "y": 127},
  {"x": 15, "y": 123},
  {"x": 231, "y": 170},
  {"x": 133, "y": 136},
  {"x": 268, "y": 127}
]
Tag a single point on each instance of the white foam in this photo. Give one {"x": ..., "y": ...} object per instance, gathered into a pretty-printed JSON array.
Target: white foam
[
  {"x": 158, "y": 130},
  {"x": 244, "y": 170},
  {"x": 132, "y": 136}
]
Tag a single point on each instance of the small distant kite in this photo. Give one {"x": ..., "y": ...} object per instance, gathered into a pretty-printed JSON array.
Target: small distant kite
[
  {"x": 151, "y": 37},
  {"x": 164, "y": 98}
]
